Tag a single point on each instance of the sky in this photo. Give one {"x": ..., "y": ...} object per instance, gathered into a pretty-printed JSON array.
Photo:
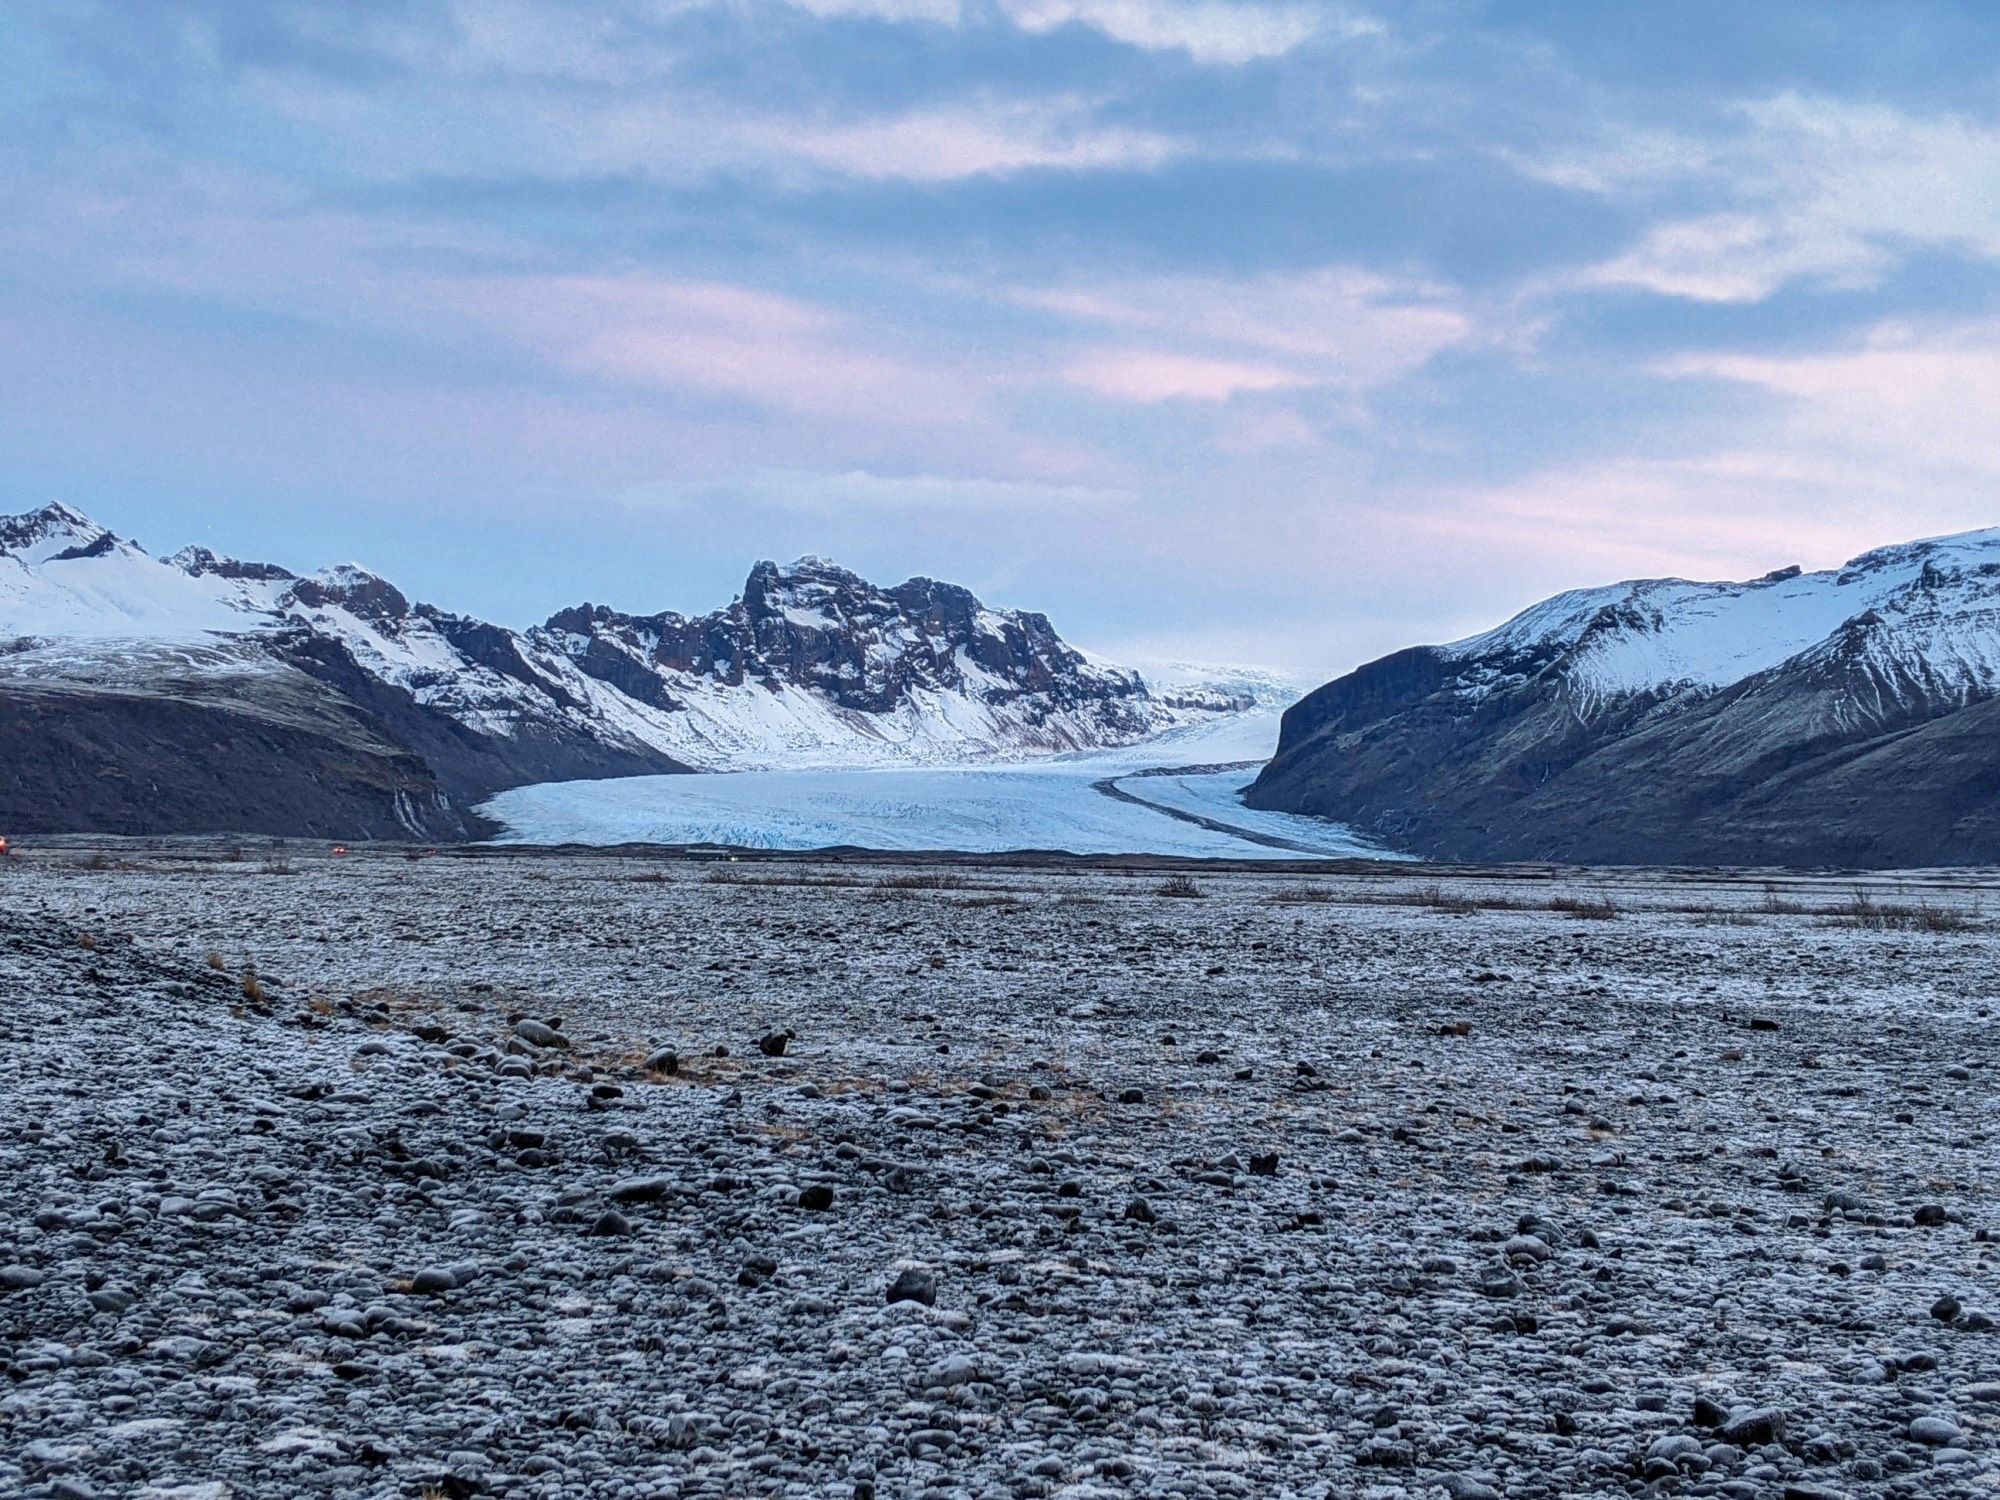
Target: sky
[{"x": 1230, "y": 330}]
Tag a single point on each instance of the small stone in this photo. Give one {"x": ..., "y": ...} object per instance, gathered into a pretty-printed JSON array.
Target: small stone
[
  {"x": 1132, "y": 1096},
  {"x": 773, "y": 1043},
  {"x": 1264, "y": 1164},
  {"x": 19, "y": 1278},
  {"x": 1709, "y": 1413},
  {"x": 1674, "y": 1447},
  {"x": 433, "y": 1280},
  {"x": 538, "y": 1034},
  {"x": 663, "y": 1060},
  {"x": 1938, "y": 1432},
  {"x": 640, "y": 1189},
  {"x": 611, "y": 1222},
  {"x": 1946, "y": 1308},
  {"x": 818, "y": 1197},
  {"x": 1139, "y": 1211},
  {"x": 913, "y": 1285},
  {"x": 1755, "y": 1428},
  {"x": 1930, "y": 1216}
]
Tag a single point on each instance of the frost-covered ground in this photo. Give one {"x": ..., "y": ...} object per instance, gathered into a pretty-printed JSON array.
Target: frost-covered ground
[
  {"x": 1045, "y": 804},
  {"x": 1384, "y": 1185}
]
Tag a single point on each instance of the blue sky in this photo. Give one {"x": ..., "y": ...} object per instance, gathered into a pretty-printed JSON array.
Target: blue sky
[{"x": 1277, "y": 332}]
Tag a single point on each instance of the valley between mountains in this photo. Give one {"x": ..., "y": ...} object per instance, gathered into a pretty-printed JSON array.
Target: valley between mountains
[{"x": 1844, "y": 718}]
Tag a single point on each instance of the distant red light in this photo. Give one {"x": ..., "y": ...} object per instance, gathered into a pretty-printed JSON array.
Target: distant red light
[{"x": 340, "y": 848}]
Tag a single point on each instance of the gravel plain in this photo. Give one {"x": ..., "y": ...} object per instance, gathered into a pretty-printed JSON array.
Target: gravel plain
[{"x": 528, "y": 1175}]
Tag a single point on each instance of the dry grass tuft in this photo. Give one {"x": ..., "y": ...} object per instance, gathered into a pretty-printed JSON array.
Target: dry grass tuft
[
  {"x": 1864, "y": 911},
  {"x": 1775, "y": 905},
  {"x": 1301, "y": 895},
  {"x": 1598, "y": 908},
  {"x": 1179, "y": 885},
  {"x": 922, "y": 880},
  {"x": 1440, "y": 897}
]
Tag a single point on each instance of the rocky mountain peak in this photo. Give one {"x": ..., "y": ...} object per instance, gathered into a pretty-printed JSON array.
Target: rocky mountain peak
[
  {"x": 199, "y": 562},
  {"x": 56, "y": 531},
  {"x": 353, "y": 588}
]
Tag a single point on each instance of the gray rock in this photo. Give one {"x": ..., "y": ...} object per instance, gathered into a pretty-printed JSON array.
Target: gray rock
[
  {"x": 1754, "y": 1428},
  {"x": 913, "y": 1285},
  {"x": 539, "y": 1034},
  {"x": 1938, "y": 1432}
]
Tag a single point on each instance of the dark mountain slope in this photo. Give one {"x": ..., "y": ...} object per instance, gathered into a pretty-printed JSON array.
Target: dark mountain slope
[{"x": 1666, "y": 722}]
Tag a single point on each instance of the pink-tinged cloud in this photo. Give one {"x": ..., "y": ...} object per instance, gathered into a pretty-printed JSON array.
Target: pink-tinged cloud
[
  {"x": 1147, "y": 376},
  {"x": 1335, "y": 328},
  {"x": 716, "y": 339},
  {"x": 1909, "y": 410}
]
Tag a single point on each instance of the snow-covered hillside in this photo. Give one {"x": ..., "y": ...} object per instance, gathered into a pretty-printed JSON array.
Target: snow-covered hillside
[
  {"x": 1846, "y": 716},
  {"x": 812, "y": 666},
  {"x": 1942, "y": 596}
]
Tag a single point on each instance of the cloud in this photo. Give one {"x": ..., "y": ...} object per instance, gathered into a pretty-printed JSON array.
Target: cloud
[
  {"x": 1819, "y": 190},
  {"x": 1209, "y": 31},
  {"x": 861, "y": 491},
  {"x": 1256, "y": 432},
  {"x": 1907, "y": 410},
  {"x": 1224, "y": 33},
  {"x": 941, "y": 12},
  {"x": 1146, "y": 375},
  {"x": 1209, "y": 338},
  {"x": 1842, "y": 449},
  {"x": 716, "y": 339},
  {"x": 991, "y": 138}
]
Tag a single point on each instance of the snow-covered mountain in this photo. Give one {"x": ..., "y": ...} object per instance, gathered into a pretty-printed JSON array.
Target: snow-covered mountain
[
  {"x": 1837, "y": 717},
  {"x": 415, "y": 712}
]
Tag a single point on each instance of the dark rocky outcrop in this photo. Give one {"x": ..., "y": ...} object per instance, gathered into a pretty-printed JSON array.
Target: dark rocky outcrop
[{"x": 820, "y": 627}]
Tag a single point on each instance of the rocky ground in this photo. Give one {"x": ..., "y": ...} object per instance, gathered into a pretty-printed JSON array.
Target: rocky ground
[{"x": 531, "y": 1176}]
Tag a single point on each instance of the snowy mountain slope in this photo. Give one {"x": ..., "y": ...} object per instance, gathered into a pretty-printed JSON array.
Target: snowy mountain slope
[
  {"x": 1674, "y": 721},
  {"x": 811, "y": 666},
  {"x": 1659, "y": 635}
]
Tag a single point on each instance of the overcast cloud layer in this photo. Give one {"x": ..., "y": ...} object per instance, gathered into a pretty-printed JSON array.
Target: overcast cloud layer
[{"x": 1280, "y": 332}]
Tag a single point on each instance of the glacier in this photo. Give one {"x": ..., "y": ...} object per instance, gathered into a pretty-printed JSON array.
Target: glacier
[{"x": 1052, "y": 804}]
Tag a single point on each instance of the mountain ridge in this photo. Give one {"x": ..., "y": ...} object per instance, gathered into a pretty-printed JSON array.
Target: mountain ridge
[
  {"x": 1668, "y": 721},
  {"x": 417, "y": 713}
]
